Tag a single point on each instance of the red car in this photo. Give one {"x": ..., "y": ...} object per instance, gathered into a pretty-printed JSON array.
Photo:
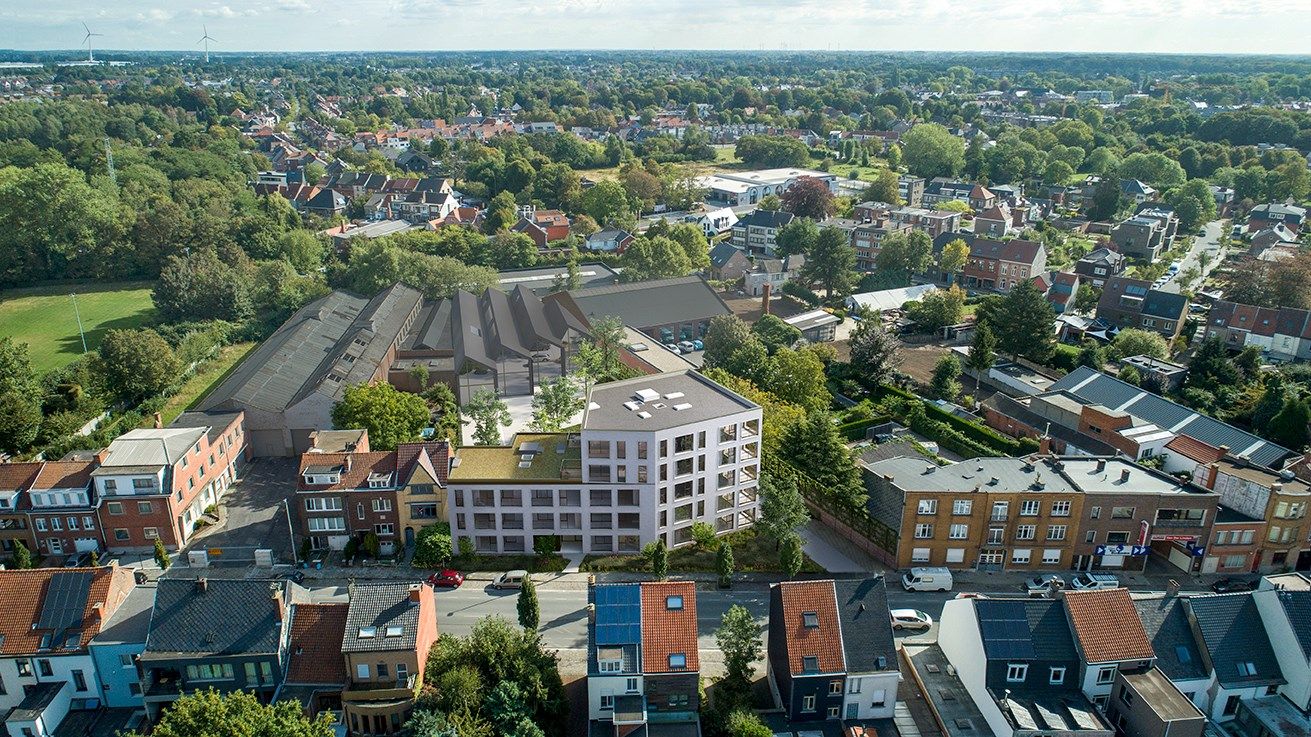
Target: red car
[{"x": 448, "y": 578}]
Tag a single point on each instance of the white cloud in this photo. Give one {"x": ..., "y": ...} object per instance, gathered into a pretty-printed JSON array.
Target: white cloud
[{"x": 225, "y": 11}]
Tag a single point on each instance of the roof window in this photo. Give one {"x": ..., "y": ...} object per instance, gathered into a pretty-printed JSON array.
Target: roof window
[
  {"x": 368, "y": 632},
  {"x": 810, "y": 620},
  {"x": 674, "y": 603}
]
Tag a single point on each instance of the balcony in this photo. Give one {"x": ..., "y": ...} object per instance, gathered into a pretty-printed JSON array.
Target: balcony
[{"x": 1177, "y": 524}]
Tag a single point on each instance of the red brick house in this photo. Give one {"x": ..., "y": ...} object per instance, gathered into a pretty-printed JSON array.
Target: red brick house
[
  {"x": 1001, "y": 265},
  {"x": 156, "y": 483},
  {"x": 62, "y": 509}
]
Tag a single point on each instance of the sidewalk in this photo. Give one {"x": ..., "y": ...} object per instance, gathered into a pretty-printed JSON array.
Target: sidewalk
[{"x": 834, "y": 553}]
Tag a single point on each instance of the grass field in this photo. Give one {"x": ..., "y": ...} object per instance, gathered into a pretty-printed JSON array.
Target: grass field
[
  {"x": 44, "y": 318},
  {"x": 208, "y": 376}
]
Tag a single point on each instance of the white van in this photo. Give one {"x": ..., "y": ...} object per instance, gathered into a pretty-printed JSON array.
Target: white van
[
  {"x": 926, "y": 579},
  {"x": 1095, "y": 581}
]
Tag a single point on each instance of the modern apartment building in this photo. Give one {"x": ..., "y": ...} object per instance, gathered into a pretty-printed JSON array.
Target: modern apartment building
[{"x": 655, "y": 454}]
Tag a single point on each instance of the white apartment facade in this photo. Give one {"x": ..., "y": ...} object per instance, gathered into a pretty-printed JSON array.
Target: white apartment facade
[{"x": 655, "y": 455}]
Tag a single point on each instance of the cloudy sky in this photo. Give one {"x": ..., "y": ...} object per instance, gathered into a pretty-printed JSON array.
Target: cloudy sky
[{"x": 1170, "y": 26}]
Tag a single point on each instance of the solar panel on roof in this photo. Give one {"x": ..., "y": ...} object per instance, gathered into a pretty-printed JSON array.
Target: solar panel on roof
[
  {"x": 65, "y": 602},
  {"x": 618, "y": 615},
  {"x": 1004, "y": 626}
]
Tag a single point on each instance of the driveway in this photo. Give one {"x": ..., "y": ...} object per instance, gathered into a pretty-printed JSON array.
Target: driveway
[
  {"x": 252, "y": 514},
  {"x": 1208, "y": 244}
]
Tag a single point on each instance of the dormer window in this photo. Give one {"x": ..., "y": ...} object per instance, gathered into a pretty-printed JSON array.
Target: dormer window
[
  {"x": 379, "y": 480},
  {"x": 368, "y": 633},
  {"x": 72, "y": 641},
  {"x": 810, "y": 620},
  {"x": 810, "y": 664},
  {"x": 674, "y": 603},
  {"x": 45, "y": 642},
  {"x": 609, "y": 659}
]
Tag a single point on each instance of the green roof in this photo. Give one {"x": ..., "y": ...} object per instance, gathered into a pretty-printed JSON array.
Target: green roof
[{"x": 550, "y": 457}]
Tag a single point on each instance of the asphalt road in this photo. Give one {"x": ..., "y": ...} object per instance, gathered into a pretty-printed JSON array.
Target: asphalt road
[{"x": 1209, "y": 244}]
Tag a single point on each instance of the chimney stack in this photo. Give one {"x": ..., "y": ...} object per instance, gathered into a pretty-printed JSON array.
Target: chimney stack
[
  {"x": 414, "y": 592},
  {"x": 202, "y": 584},
  {"x": 98, "y": 611},
  {"x": 275, "y": 593},
  {"x": 159, "y": 421},
  {"x": 1124, "y": 476},
  {"x": 346, "y": 465},
  {"x": 1171, "y": 588},
  {"x": 1101, "y": 464},
  {"x": 1045, "y": 445},
  {"x": 764, "y": 300}
]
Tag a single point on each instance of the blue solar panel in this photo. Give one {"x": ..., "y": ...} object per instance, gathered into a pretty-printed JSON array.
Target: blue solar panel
[
  {"x": 1004, "y": 626},
  {"x": 618, "y": 614}
]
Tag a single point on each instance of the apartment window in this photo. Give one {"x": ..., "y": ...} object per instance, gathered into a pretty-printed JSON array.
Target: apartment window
[
  {"x": 683, "y": 443},
  {"x": 1090, "y": 536},
  {"x": 599, "y": 473},
  {"x": 1051, "y": 556},
  {"x": 121, "y": 535},
  {"x": 610, "y": 660},
  {"x": 382, "y": 505},
  {"x": 962, "y": 506},
  {"x": 600, "y": 497},
  {"x": 1056, "y": 532},
  {"x": 1234, "y": 561},
  {"x": 1094, "y": 513},
  {"x": 359, "y": 510},
  {"x": 1000, "y": 510},
  {"x": 125, "y": 660},
  {"x": 1106, "y": 675},
  {"x": 210, "y": 672},
  {"x": 996, "y": 535},
  {"x": 808, "y": 703},
  {"x": 1061, "y": 509},
  {"x": 923, "y": 531},
  {"x": 115, "y": 507},
  {"x": 959, "y": 532},
  {"x": 382, "y": 670},
  {"x": 630, "y": 685},
  {"x": 919, "y": 555},
  {"x": 388, "y": 529},
  {"x": 1122, "y": 512},
  {"x": 111, "y": 485},
  {"x": 56, "y": 524},
  {"x": 1025, "y": 532},
  {"x": 607, "y": 701},
  {"x": 1056, "y": 676},
  {"x": 362, "y": 671},
  {"x": 24, "y": 668},
  {"x": 1017, "y": 672},
  {"x": 641, "y": 450},
  {"x": 1030, "y": 508},
  {"x": 79, "y": 680},
  {"x": 928, "y": 506},
  {"x": 598, "y": 449},
  {"x": 833, "y": 712},
  {"x": 40, "y": 524},
  {"x": 72, "y": 523},
  {"x": 834, "y": 688},
  {"x": 543, "y": 497},
  {"x": 1021, "y": 556}
]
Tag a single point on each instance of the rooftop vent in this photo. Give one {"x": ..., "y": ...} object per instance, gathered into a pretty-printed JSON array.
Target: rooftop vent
[
  {"x": 525, "y": 464},
  {"x": 644, "y": 415},
  {"x": 674, "y": 395},
  {"x": 681, "y": 407},
  {"x": 647, "y": 395},
  {"x": 632, "y": 406},
  {"x": 659, "y": 405}
]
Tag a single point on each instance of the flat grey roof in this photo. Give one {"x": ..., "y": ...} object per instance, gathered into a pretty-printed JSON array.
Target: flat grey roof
[
  {"x": 652, "y": 303},
  {"x": 707, "y": 400},
  {"x": 1162, "y": 696}
]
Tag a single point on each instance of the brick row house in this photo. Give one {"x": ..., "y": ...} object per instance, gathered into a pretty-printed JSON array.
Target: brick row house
[
  {"x": 1282, "y": 333},
  {"x": 999, "y": 265},
  {"x": 147, "y": 484},
  {"x": 353, "y": 492}
]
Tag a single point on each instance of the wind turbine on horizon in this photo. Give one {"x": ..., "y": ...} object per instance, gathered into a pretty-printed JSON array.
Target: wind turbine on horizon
[
  {"x": 205, "y": 39},
  {"x": 90, "y": 55}
]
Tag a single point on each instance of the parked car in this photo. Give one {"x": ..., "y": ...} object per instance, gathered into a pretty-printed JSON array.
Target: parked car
[
  {"x": 686, "y": 346},
  {"x": 509, "y": 580},
  {"x": 697, "y": 344},
  {"x": 673, "y": 348},
  {"x": 1231, "y": 585},
  {"x": 1093, "y": 581},
  {"x": 1043, "y": 585},
  {"x": 926, "y": 579},
  {"x": 294, "y": 575},
  {"x": 910, "y": 619},
  {"x": 77, "y": 560},
  {"x": 446, "y": 578}
]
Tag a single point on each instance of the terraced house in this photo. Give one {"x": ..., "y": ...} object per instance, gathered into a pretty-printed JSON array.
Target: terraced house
[{"x": 655, "y": 455}]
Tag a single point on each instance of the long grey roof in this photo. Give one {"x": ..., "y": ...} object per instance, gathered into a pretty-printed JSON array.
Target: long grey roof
[
  {"x": 335, "y": 341},
  {"x": 867, "y": 640},
  {"x": 1297, "y": 607},
  {"x": 130, "y": 623},
  {"x": 705, "y": 399},
  {"x": 1096, "y": 387},
  {"x": 495, "y": 325},
  {"x": 380, "y": 606},
  {"x": 1233, "y": 634},
  {"x": 227, "y": 617},
  {"x": 1012, "y": 474},
  {"x": 652, "y": 303},
  {"x": 1166, "y": 624},
  {"x": 1018, "y": 410},
  {"x": 147, "y": 447}
]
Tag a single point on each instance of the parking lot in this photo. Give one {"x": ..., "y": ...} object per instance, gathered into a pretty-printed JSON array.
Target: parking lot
[{"x": 253, "y": 514}]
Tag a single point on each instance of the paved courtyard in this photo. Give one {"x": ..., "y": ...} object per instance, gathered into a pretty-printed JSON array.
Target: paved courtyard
[{"x": 253, "y": 514}]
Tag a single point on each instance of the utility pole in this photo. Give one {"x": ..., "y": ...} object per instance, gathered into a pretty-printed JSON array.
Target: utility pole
[
  {"x": 78, "y": 314},
  {"x": 291, "y": 531}
]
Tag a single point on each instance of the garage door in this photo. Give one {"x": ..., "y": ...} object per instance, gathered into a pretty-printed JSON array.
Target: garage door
[{"x": 265, "y": 443}]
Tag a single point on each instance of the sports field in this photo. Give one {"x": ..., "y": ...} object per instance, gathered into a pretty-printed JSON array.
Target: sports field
[{"x": 44, "y": 318}]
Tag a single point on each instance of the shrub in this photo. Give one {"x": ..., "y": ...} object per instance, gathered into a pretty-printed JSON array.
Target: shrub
[{"x": 432, "y": 546}]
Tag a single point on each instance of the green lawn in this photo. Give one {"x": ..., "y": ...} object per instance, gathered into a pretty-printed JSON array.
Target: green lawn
[{"x": 44, "y": 318}]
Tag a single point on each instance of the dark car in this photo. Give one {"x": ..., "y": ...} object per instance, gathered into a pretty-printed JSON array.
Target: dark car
[
  {"x": 1231, "y": 585},
  {"x": 448, "y": 578},
  {"x": 294, "y": 576}
]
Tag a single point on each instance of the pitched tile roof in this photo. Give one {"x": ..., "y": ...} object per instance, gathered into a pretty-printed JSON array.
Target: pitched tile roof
[
  {"x": 823, "y": 639},
  {"x": 1194, "y": 449},
  {"x": 362, "y": 465},
  {"x": 1106, "y": 626},
  {"x": 1235, "y": 639},
  {"x": 17, "y": 476},
  {"x": 668, "y": 631},
  {"x": 1166, "y": 624},
  {"x": 25, "y": 595},
  {"x": 867, "y": 640},
  {"x": 64, "y": 475},
  {"x": 389, "y": 611},
  {"x": 316, "y": 634},
  {"x": 218, "y": 616}
]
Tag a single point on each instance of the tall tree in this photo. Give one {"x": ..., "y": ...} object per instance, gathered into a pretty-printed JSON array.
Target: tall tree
[
  {"x": 724, "y": 564},
  {"x": 1211, "y": 366},
  {"x": 797, "y": 237},
  {"x": 930, "y": 150},
  {"x": 487, "y": 412},
  {"x": 390, "y": 415},
  {"x": 782, "y": 510},
  {"x": 797, "y": 376},
  {"x": 946, "y": 378},
  {"x": 884, "y": 188},
  {"x": 20, "y": 398},
  {"x": 809, "y": 197},
  {"x": 790, "y": 555},
  {"x": 530, "y": 613},
  {"x": 657, "y": 556},
  {"x": 815, "y": 447},
  {"x": 775, "y": 333},
  {"x": 1023, "y": 324},
  {"x": 1289, "y": 426},
  {"x": 201, "y": 287},
  {"x": 137, "y": 364},
  {"x": 213, "y": 714},
  {"x": 555, "y": 403},
  {"x": 738, "y": 638},
  {"x": 1138, "y": 342},
  {"x": 905, "y": 254},
  {"x": 953, "y": 258},
  {"x": 983, "y": 353},
  {"x": 874, "y": 351},
  {"x": 831, "y": 262},
  {"x": 693, "y": 241},
  {"x": 502, "y": 213},
  {"x": 654, "y": 258},
  {"x": 599, "y": 355}
]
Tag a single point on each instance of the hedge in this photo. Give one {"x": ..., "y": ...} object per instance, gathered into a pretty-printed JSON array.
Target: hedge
[
  {"x": 958, "y": 434},
  {"x": 855, "y": 430}
]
